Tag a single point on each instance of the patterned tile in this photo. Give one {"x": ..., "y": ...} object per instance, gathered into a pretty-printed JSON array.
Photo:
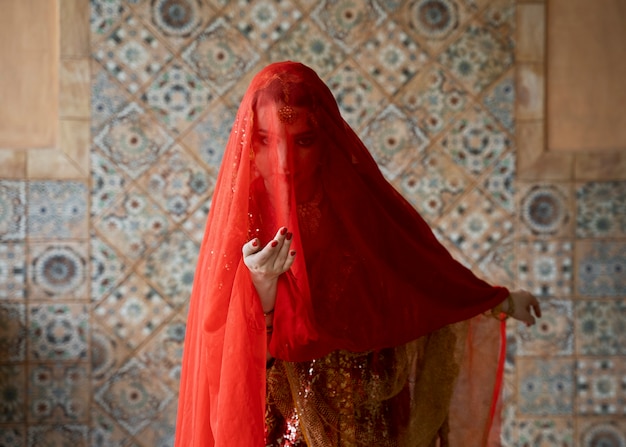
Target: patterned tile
[
  {"x": 12, "y": 270},
  {"x": 545, "y": 387},
  {"x": 500, "y": 181},
  {"x": 359, "y": 100},
  {"x": 163, "y": 354},
  {"x": 132, "y": 54},
  {"x": 500, "y": 101},
  {"x": 133, "y": 397},
  {"x": 73, "y": 435},
  {"x": 133, "y": 142},
  {"x": 12, "y": 210},
  {"x": 220, "y": 56},
  {"x": 476, "y": 225},
  {"x": 178, "y": 183},
  {"x": 58, "y": 393},
  {"x": 107, "y": 268},
  {"x": 105, "y": 14},
  {"x": 108, "y": 354},
  {"x": 545, "y": 432},
  {"x": 601, "y": 386},
  {"x": 545, "y": 210},
  {"x": 104, "y": 431},
  {"x": 308, "y": 44},
  {"x": 13, "y": 392},
  {"x": 554, "y": 332},
  {"x": 263, "y": 22},
  {"x": 391, "y": 57},
  {"x": 433, "y": 183},
  {"x": 58, "y": 332},
  {"x": 545, "y": 267},
  {"x": 601, "y": 209},
  {"x": 176, "y": 21},
  {"x": 58, "y": 271},
  {"x": 394, "y": 140},
  {"x": 602, "y": 432},
  {"x": 194, "y": 226},
  {"x": 177, "y": 97},
  {"x": 107, "y": 185},
  {"x": 478, "y": 57},
  {"x": 347, "y": 22},
  {"x": 13, "y": 436},
  {"x": 162, "y": 431},
  {"x": 434, "y": 99},
  {"x": 601, "y": 327},
  {"x": 12, "y": 332},
  {"x": 171, "y": 267},
  {"x": 107, "y": 97},
  {"x": 133, "y": 225},
  {"x": 133, "y": 311},
  {"x": 500, "y": 16},
  {"x": 601, "y": 268},
  {"x": 57, "y": 210},
  {"x": 475, "y": 141},
  {"x": 498, "y": 265}
]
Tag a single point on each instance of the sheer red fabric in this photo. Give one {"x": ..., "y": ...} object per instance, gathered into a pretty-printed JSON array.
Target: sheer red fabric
[{"x": 368, "y": 273}]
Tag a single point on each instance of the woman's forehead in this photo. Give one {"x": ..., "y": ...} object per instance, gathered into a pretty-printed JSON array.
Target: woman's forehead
[{"x": 272, "y": 116}]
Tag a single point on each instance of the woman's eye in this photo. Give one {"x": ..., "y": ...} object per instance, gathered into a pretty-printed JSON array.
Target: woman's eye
[
  {"x": 262, "y": 140},
  {"x": 305, "y": 142}
]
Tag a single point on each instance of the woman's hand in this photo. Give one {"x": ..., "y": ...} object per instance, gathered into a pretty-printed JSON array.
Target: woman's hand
[
  {"x": 525, "y": 304},
  {"x": 267, "y": 263}
]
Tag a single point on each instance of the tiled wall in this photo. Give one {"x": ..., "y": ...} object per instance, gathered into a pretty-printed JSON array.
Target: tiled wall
[{"x": 96, "y": 266}]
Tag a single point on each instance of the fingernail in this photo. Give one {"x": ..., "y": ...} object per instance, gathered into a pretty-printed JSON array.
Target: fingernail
[
  {"x": 283, "y": 230},
  {"x": 289, "y": 236},
  {"x": 274, "y": 243},
  {"x": 255, "y": 242},
  {"x": 292, "y": 252}
]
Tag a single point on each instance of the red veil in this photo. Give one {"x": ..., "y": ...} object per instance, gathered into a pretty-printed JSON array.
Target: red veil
[{"x": 372, "y": 276}]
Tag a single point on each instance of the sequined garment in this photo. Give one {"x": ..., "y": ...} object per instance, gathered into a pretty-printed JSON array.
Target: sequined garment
[{"x": 393, "y": 397}]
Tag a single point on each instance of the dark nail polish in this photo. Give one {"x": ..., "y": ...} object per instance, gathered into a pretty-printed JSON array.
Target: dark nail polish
[
  {"x": 292, "y": 252},
  {"x": 289, "y": 236},
  {"x": 255, "y": 242},
  {"x": 283, "y": 231},
  {"x": 274, "y": 243}
]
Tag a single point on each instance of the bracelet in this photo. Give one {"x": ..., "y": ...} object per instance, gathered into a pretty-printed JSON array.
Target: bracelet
[
  {"x": 497, "y": 311},
  {"x": 268, "y": 313}
]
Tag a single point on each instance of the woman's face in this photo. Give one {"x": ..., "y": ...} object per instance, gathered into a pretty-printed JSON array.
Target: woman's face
[{"x": 275, "y": 142}]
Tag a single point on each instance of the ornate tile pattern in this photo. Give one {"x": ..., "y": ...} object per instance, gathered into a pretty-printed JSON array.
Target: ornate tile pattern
[
  {"x": 108, "y": 183},
  {"x": 12, "y": 435},
  {"x": 553, "y": 333},
  {"x": 608, "y": 432},
  {"x": 601, "y": 327},
  {"x": 58, "y": 332},
  {"x": 104, "y": 431},
  {"x": 601, "y": 209},
  {"x": 13, "y": 392},
  {"x": 546, "y": 387},
  {"x": 12, "y": 270},
  {"x": 545, "y": 432},
  {"x": 545, "y": 210},
  {"x": 57, "y": 210},
  {"x": 12, "y": 210},
  {"x": 107, "y": 268},
  {"x": 12, "y": 332},
  {"x": 58, "y": 271},
  {"x": 108, "y": 354},
  {"x": 66, "y": 434},
  {"x": 500, "y": 181},
  {"x": 601, "y": 268},
  {"x": 601, "y": 386},
  {"x": 107, "y": 97},
  {"x": 545, "y": 267},
  {"x": 104, "y": 14},
  {"x": 500, "y": 101}
]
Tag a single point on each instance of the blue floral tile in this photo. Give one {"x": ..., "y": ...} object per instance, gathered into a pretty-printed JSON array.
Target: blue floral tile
[
  {"x": 13, "y": 392},
  {"x": 58, "y": 271},
  {"x": 500, "y": 101},
  {"x": 476, "y": 225},
  {"x": 58, "y": 332},
  {"x": 133, "y": 311},
  {"x": 601, "y": 268},
  {"x": 545, "y": 387},
  {"x": 105, "y": 14},
  {"x": 263, "y": 23},
  {"x": 601, "y": 209},
  {"x": 358, "y": 98},
  {"x": 163, "y": 354},
  {"x": 134, "y": 225},
  {"x": 107, "y": 268},
  {"x": 12, "y": 271},
  {"x": 553, "y": 334},
  {"x": 13, "y": 435},
  {"x": 601, "y": 386},
  {"x": 219, "y": 55},
  {"x": 134, "y": 397},
  {"x": 108, "y": 183},
  {"x": 476, "y": 68},
  {"x": 545, "y": 267},
  {"x": 498, "y": 265},
  {"x": 195, "y": 225},
  {"x": 601, "y": 432},
  {"x": 500, "y": 182},
  {"x": 132, "y": 54},
  {"x": 394, "y": 140},
  {"x": 178, "y": 183},
  {"x": 391, "y": 57},
  {"x": 134, "y": 143},
  {"x": 545, "y": 210},
  {"x": 107, "y": 97},
  {"x": 57, "y": 210},
  {"x": 12, "y": 332},
  {"x": 12, "y": 210},
  {"x": 433, "y": 98},
  {"x": 108, "y": 354},
  {"x": 177, "y": 97},
  {"x": 74, "y": 435},
  {"x": 171, "y": 267},
  {"x": 349, "y": 23},
  {"x": 58, "y": 393},
  {"x": 306, "y": 43},
  {"x": 601, "y": 327},
  {"x": 475, "y": 141},
  {"x": 104, "y": 431},
  {"x": 545, "y": 432}
]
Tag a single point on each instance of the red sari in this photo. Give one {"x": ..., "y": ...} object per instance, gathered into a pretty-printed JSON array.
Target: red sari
[{"x": 369, "y": 277}]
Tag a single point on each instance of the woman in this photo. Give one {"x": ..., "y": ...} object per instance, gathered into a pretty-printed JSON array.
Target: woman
[{"x": 324, "y": 311}]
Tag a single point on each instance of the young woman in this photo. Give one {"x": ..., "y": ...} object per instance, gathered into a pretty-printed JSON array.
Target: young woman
[{"x": 324, "y": 310}]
